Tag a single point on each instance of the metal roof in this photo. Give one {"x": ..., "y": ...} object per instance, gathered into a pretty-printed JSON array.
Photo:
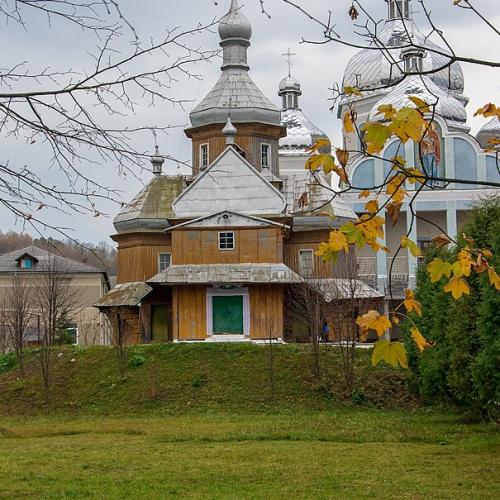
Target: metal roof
[
  {"x": 150, "y": 209},
  {"x": 125, "y": 294},
  {"x": 337, "y": 288},
  {"x": 378, "y": 65},
  {"x": 45, "y": 261},
  {"x": 185, "y": 274},
  {"x": 490, "y": 130},
  {"x": 235, "y": 91},
  {"x": 301, "y": 134}
]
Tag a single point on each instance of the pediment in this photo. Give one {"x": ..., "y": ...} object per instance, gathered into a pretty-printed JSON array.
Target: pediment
[
  {"x": 230, "y": 183},
  {"x": 227, "y": 219}
]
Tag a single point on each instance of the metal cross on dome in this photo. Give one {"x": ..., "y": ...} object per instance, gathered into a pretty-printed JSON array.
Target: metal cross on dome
[{"x": 288, "y": 54}]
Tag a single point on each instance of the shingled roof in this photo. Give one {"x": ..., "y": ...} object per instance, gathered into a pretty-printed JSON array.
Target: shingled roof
[{"x": 9, "y": 262}]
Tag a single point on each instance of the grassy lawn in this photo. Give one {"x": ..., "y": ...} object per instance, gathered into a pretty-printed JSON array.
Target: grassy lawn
[{"x": 344, "y": 453}]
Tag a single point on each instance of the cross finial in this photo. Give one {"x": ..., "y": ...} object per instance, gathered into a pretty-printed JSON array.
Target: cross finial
[{"x": 288, "y": 54}]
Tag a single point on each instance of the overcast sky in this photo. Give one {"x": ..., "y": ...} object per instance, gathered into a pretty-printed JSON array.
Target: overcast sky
[{"x": 318, "y": 67}]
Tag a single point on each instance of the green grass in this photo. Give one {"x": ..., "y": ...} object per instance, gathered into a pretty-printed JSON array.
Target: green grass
[
  {"x": 201, "y": 421},
  {"x": 175, "y": 379},
  {"x": 349, "y": 453}
]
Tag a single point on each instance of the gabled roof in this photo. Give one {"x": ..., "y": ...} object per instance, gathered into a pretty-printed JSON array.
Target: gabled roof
[
  {"x": 229, "y": 183},
  {"x": 9, "y": 262},
  {"x": 227, "y": 218}
]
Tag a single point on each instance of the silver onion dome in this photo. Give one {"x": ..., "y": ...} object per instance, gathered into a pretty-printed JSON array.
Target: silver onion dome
[
  {"x": 234, "y": 24},
  {"x": 444, "y": 104},
  {"x": 489, "y": 131},
  {"x": 235, "y": 91},
  {"x": 301, "y": 134},
  {"x": 381, "y": 64}
]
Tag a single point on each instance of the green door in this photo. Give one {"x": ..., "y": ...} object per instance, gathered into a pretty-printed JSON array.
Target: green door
[
  {"x": 227, "y": 314},
  {"x": 159, "y": 323}
]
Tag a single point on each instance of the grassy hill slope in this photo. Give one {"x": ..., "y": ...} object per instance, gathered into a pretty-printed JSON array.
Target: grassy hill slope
[{"x": 179, "y": 378}]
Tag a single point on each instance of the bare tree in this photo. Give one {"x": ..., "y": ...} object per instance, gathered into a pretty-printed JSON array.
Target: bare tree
[
  {"x": 79, "y": 113},
  {"x": 16, "y": 315},
  {"x": 54, "y": 301}
]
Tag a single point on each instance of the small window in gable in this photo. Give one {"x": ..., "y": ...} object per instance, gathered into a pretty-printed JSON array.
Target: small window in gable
[
  {"x": 27, "y": 263},
  {"x": 164, "y": 261},
  {"x": 204, "y": 156},
  {"x": 266, "y": 155},
  {"x": 306, "y": 262},
  {"x": 226, "y": 241}
]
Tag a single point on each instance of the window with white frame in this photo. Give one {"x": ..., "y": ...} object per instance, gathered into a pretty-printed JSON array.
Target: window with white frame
[
  {"x": 204, "y": 155},
  {"x": 164, "y": 261},
  {"x": 226, "y": 241},
  {"x": 265, "y": 155},
  {"x": 306, "y": 262}
]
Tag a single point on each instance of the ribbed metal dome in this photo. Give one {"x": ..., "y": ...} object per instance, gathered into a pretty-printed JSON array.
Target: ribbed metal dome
[
  {"x": 289, "y": 83},
  {"x": 445, "y": 104},
  {"x": 490, "y": 130},
  {"x": 374, "y": 67}
]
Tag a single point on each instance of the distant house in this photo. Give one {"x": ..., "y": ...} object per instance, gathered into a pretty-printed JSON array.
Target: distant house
[{"x": 87, "y": 284}]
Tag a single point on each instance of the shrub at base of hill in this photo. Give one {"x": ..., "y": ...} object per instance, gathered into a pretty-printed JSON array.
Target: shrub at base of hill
[{"x": 462, "y": 366}]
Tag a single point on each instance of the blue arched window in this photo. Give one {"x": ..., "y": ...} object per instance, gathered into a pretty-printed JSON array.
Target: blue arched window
[
  {"x": 395, "y": 148},
  {"x": 364, "y": 175},
  {"x": 492, "y": 167},
  {"x": 465, "y": 163}
]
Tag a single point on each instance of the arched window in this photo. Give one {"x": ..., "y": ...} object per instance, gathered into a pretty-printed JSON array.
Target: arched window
[
  {"x": 492, "y": 168},
  {"x": 394, "y": 149},
  {"x": 364, "y": 175},
  {"x": 465, "y": 163}
]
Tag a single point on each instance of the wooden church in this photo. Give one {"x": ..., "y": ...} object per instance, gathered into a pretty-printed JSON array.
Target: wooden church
[{"x": 210, "y": 256}]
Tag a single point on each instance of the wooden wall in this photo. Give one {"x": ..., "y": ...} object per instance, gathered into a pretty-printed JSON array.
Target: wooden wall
[
  {"x": 266, "y": 311},
  {"x": 189, "y": 312},
  {"x": 252, "y": 245},
  {"x": 249, "y": 138},
  {"x": 137, "y": 257}
]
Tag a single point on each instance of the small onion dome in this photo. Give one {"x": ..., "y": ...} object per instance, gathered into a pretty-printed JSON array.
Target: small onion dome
[
  {"x": 234, "y": 24},
  {"x": 446, "y": 107},
  {"x": 157, "y": 161},
  {"x": 489, "y": 131},
  {"x": 229, "y": 131},
  {"x": 289, "y": 84}
]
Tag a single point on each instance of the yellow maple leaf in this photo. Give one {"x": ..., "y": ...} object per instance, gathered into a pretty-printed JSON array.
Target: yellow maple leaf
[
  {"x": 488, "y": 110},
  {"x": 494, "y": 278},
  {"x": 317, "y": 161},
  {"x": 457, "y": 287},
  {"x": 419, "y": 339},
  {"x": 373, "y": 320},
  {"x": 364, "y": 194},
  {"x": 338, "y": 241},
  {"x": 393, "y": 353},
  {"x": 411, "y": 303},
  {"x": 372, "y": 206},
  {"x": 376, "y": 135},
  {"x": 411, "y": 246},
  {"x": 441, "y": 240},
  {"x": 348, "y": 122},
  {"x": 408, "y": 123},
  {"x": 438, "y": 268},
  {"x": 420, "y": 103},
  {"x": 348, "y": 90},
  {"x": 342, "y": 156},
  {"x": 394, "y": 211},
  {"x": 388, "y": 110}
]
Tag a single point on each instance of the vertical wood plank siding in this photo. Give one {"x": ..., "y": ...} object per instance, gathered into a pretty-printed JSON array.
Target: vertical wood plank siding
[
  {"x": 266, "y": 311},
  {"x": 189, "y": 312},
  {"x": 201, "y": 246}
]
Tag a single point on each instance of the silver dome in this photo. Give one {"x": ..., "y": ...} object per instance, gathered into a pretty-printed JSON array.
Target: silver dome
[
  {"x": 301, "y": 134},
  {"x": 289, "y": 83},
  {"x": 234, "y": 24},
  {"x": 445, "y": 105},
  {"x": 374, "y": 67},
  {"x": 490, "y": 130},
  {"x": 235, "y": 91}
]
